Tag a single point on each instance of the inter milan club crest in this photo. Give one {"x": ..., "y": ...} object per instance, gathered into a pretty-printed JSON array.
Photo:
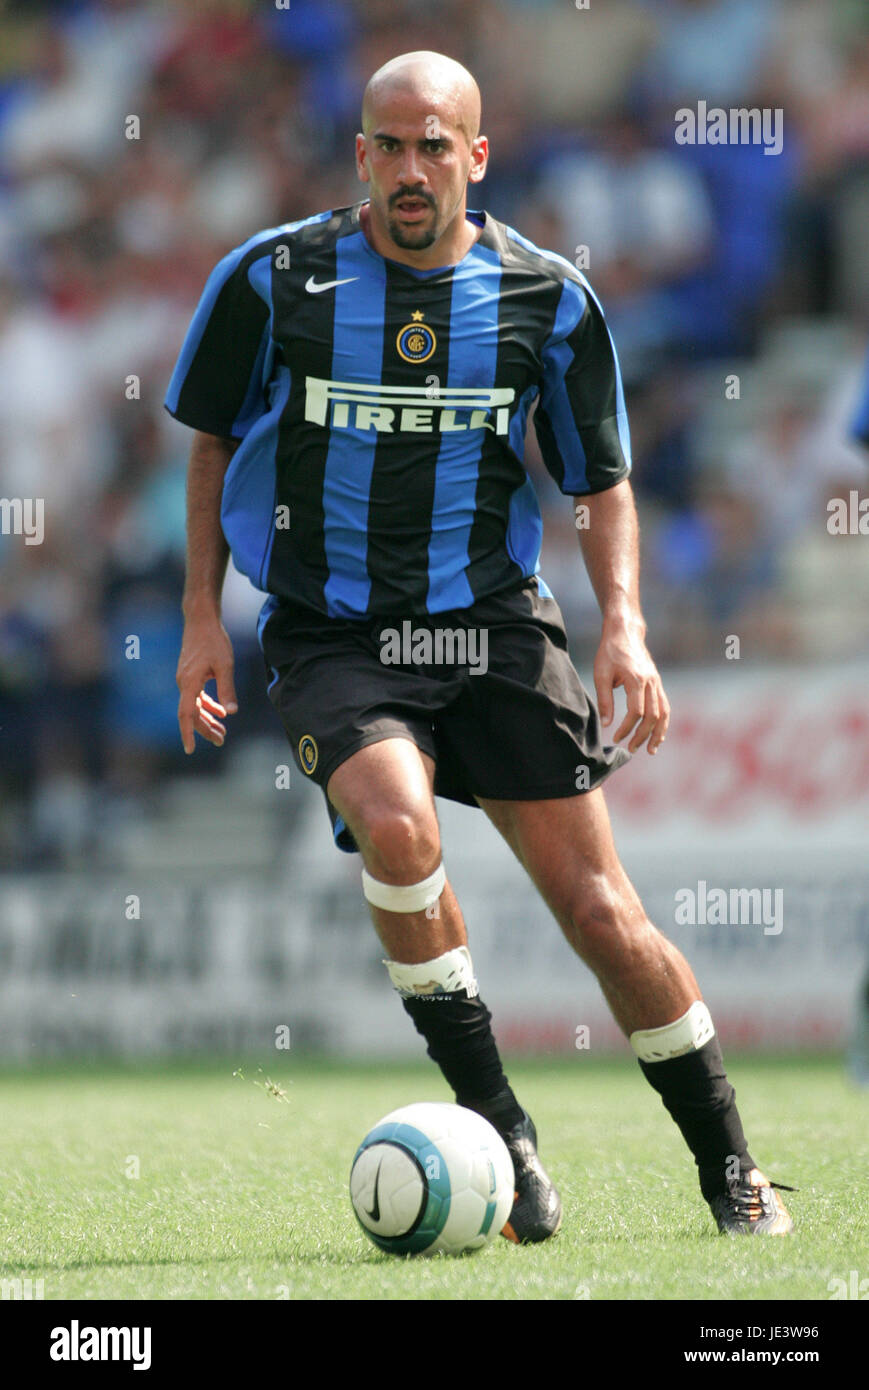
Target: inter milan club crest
[
  {"x": 416, "y": 341},
  {"x": 308, "y": 753}
]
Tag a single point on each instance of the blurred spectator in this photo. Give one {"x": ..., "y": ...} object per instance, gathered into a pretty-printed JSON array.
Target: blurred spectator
[
  {"x": 717, "y": 50},
  {"x": 639, "y": 218}
]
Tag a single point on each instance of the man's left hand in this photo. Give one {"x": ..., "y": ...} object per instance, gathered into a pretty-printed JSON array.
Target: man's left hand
[{"x": 623, "y": 659}]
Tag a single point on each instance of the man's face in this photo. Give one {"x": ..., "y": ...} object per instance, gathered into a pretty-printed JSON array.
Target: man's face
[{"x": 417, "y": 161}]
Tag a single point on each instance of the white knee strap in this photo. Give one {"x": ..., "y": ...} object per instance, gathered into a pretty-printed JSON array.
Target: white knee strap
[
  {"x": 407, "y": 897},
  {"x": 452, "y": 971},
  {"x": 686, "y": 1034}
]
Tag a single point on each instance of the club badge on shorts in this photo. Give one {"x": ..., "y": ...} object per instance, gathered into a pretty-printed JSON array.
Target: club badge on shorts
[{"x": 308, "y": 753}]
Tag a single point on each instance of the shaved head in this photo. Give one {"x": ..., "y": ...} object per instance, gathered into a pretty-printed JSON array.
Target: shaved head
[
  {"x": 419, "y": 148},
  {"x": 441, "y": 84}
]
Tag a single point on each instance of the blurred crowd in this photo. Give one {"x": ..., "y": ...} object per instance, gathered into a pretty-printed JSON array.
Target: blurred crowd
[{"x": 140, "y": 140}]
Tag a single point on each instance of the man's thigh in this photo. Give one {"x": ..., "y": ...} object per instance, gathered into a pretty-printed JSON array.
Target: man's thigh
[
  {"x": 566, "y": 846},
  {"x": 388, "y": 782}
]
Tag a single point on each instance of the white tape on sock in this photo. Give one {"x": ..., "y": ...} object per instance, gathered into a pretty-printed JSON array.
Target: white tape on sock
[
  {"x": 686, "y": 1034},
  {"x": 406, "y": 897},
  {"x": 452, "y": 971}
]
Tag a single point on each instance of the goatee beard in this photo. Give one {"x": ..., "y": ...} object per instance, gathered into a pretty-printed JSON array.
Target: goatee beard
[{"x": 409, "y": 240}]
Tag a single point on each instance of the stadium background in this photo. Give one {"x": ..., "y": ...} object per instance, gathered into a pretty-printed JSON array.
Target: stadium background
[{"x": 152, "y": 904}]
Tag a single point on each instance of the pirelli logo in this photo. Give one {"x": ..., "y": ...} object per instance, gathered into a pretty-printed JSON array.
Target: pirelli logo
[{"x": 407, "y": 409}]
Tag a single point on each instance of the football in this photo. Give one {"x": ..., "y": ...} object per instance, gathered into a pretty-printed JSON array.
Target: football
[{"x": 432, "y": 1179}]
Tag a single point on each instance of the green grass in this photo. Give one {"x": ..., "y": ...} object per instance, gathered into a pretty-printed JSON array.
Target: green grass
[{"x": 244, "y": 1195}]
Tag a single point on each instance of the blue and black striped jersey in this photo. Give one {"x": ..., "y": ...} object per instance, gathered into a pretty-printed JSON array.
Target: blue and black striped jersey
[{"x": 382, "y": 411}]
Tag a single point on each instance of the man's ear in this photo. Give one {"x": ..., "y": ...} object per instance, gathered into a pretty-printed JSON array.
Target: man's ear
[
  {"x": 361, "y": 162},
  {"x": 479, "y": 159}
]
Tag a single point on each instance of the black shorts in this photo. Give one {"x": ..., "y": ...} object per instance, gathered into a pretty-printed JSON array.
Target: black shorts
[{"x": 489, "y": 692}]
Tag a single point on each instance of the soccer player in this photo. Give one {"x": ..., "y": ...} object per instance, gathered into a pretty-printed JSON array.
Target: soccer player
[{"x": 359, "y": 383}]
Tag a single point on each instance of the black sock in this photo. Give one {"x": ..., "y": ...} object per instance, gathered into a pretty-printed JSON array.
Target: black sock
[
  {"x": 458, "y": 1032},
  {"x": 695, "y": 1090}
]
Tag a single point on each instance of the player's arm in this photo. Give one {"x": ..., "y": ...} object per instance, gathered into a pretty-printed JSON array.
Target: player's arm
[
  {"x": 582, "y": 428},
  {"x": 206, "y": 651},
  {"x": 611, "y": 550},
  {"x": 218, "y": 389}
]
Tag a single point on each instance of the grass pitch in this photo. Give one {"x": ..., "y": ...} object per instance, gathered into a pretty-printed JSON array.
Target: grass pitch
[{"x": 194, "y": 1183}]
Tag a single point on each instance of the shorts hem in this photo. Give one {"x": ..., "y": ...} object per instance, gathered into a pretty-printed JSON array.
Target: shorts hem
[
  {"x": 558, "y": 792},
  {"x": 364, "y": 741}
]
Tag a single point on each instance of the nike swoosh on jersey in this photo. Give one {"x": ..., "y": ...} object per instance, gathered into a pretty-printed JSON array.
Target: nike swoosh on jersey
[{"x": 313, "y": 288}]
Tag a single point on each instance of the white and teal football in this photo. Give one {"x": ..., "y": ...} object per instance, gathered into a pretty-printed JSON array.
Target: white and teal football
[{"x": 432, "y": 1179}]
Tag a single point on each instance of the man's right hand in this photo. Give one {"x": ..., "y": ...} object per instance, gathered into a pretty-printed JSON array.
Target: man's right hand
[{"x": 206, "y": 654}]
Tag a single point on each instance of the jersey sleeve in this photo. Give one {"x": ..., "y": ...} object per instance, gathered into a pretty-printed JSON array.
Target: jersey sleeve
[
  {"x": 581, "y": 421},
  {"x": 218, "y": 384}
]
